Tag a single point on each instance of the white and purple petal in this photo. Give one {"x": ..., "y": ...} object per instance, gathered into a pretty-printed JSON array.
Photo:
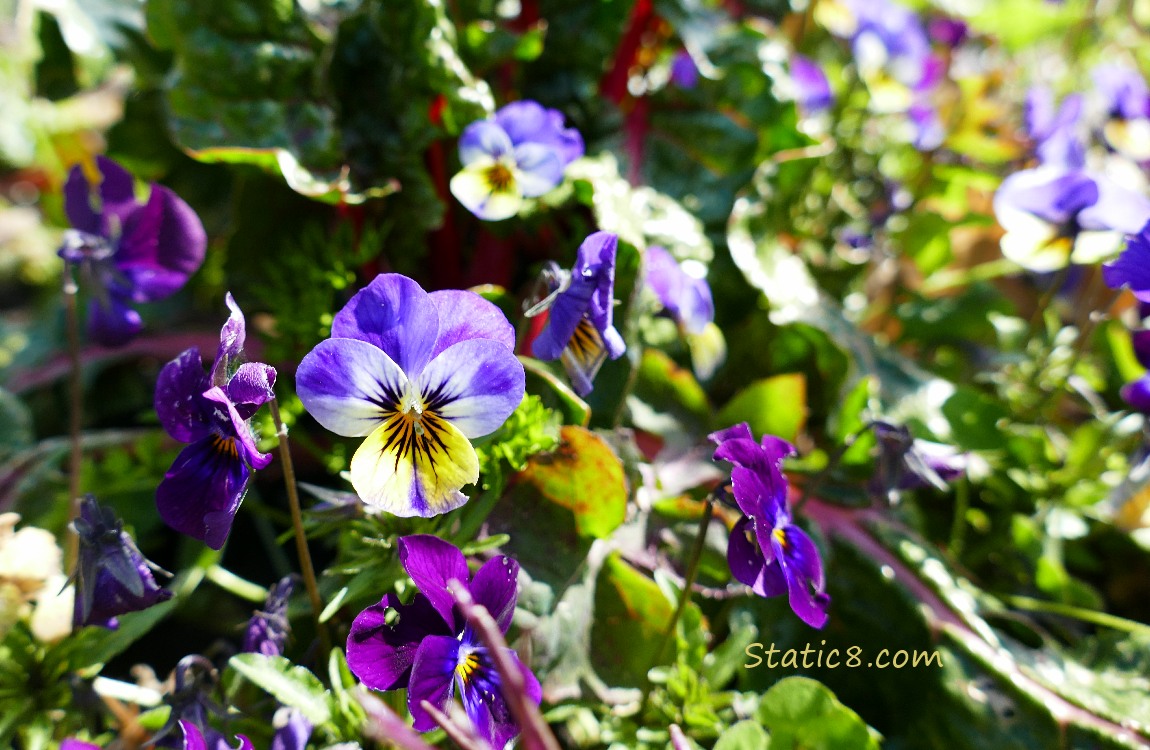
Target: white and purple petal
[
  {"x": 483, "y": 138},
  {"x": 349, "y": 385},
  {"x": 539, "y": 169},
  {"x": 394, "y": 314},
  {"x": 464, "y": 315},
  {"x": 475, "y": 385},
  {"x": 530, "y": 122},
  {"x": 475, "y": 188}
]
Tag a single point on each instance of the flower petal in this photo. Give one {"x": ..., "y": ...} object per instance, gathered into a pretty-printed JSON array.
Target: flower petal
[
  {"x": 232, "y": 337},
  {"x": 1137, "y": 394},
  {"x": 539, "y": 169},
  {"x": 162, "y": 244},
  {"x": 407, "y": 474},
  {"x": 486, "y": 705},
  {"x": 475, "y": 385},
  {"x": 193, "y": 738},
  {"x": 473, "y": 188},
  {"x": 432, "y": 678},
  {"x": 177, "y": 400},
  {"x": 804, "y": 571},
  {"x": 530, "y": 122},
  {"x": 432, "y": 563},
  {"x": 250, "y": 387},
  {"x": 349, "y": 386},
  {"x": 111, "y": 322},
  {"x": 396, "y": 315},
  {"x": 496, "y": 587},
  {"x": 1132, "y": 267},
  {"x": 78, "y": 202},
  {"x": 483, "y": 139},
  {"x": 381, "y": 654},
  {"x": 749, "y": 566},
  {"x": 1116, "y": 208},
  {"x": 200, "y": 494},
  {"x": 243, "y": 441},
  {"x": 465, "y": 315}
]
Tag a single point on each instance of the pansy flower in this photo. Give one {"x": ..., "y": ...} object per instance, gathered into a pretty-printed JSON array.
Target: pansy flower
[
  {"x": 112, "y": 576},
  {"x": 1126, "y": 99},
  {"x": 427, "y": 646},
  {"x": 1053, "y": 131},
  {"x": 683, "y": 292},
  {"x": 203, "y": 489},
  {"x": 520, "y": 153},
  {"x": 194, "y": 739},
  {"x": 684, "y": 71},
  {"x": 812, "y": 90},
  {"x": 579, "y": 330},
  {"x": 127, "y": 252},
  {"x": 420, "y": 375},
  {"x": 767, "y": 551}
]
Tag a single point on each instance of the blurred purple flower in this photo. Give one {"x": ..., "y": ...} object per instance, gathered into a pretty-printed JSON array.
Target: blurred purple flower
[
  {"x": 812, "y": 89},
  {"x": 949, "y": 32},
  {"x": 268, "y": 629},
  {"x": 427, "y": 647},
  {"x": 127, "y": 252},
  {"x": 520, "y": 153},
  {"x": 579, "y": 329},
  {"x": 889, "y": 38},
  {"x": 684, "y": 72},
  {"x": 906, "y": 463},
  {"x": 1054, "y": 132},
  {"x": 73, "y": 744},
  {"x": 194, "y": 739},
  {"x": 767, "y": 551},
  {"x": 202, "y": 491},
  {"x": 292, "y": 730},
  {"x": 112, "y": 576},
  {"x": 685, "y": 297},
  {"x": 420, "y": 375},
  {"x": 1132, "y": 267},
  {"x": 1126, "y": 99}
]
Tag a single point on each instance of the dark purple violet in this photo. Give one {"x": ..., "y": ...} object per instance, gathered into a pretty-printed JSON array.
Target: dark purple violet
[
  {"x": 268, "y": 628},
  {"x": 1132, "y": 268},
  {"x": 905, "y": 463}
]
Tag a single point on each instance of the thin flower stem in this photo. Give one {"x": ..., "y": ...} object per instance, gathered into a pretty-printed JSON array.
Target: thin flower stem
[
  {"x": 692, "y": 572},
  {"x": 75, "y": 417},
  {"x": 460, "y": 736},
  {"x": 534, "y": 732},
  {"x": 1104, "y": 619},
  {"x": 384, "y": 726},
  {"x": 297, "y": 523},
  {"x": 958, "y": 526}
]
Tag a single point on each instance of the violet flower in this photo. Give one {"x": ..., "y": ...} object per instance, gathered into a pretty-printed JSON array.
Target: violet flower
[
  {"x": 907, "y": 463},
  {"x": 427, "y": 647},
  {"x": 1132, "y": 267},
  {"x": 685, "y": 297},
  {"x": 579, "y": 331},
  {"x": 521, "y": 153},
  {"x": 202, "y": 491},
  {"x": 767, "y": 551},
  {"x": 1054, "y": 131},
  {"x": 420, "y": 375},
  {"x": 891, "y": 48},
  {"x": 292, "y": 730},
  {"x": 194, "y": 739},
  {"x": 949, "y": 32},
  {"x": 112, "y": 576},
  {"x": 812, "y": 90},
  {"x": 74, "y": 744},
  {"x": 128, "y": 252},
  {"x": 1126, "y": 98},
  {"x": 267, "y": 630},
  {"x": 684, "y": 72}
]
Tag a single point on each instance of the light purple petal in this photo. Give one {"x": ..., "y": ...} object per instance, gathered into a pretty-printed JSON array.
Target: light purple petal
[
  {"x": 684, "y": 72},
  {"x": 475, "y": 385},
  {"x": 432, "y": 678},
  {"x": 250, "y": 387},
  {"x": 483, "y": 138},
  {"x": 540, "y": 169},
  {"x": 178, "y": 399},
  {"x": 812, "y": 89},
  {"x": 1116, "y": 208},
  {"x": 662, "y": 273},
  {"x": 241, "y": 432},
  {"x": 232, "y": 337},
  {"x": 749, "y": 566},
  {"x": 1123, "y": 89},
  {"x": 496, "y": 588},
  {"x": 432, "y": 563},
  {"x": 381, "y": 654},
  {"x": 111, "y": 322},
  {"x": 1132, "y": 267},
  {"x": 348, "y": 385},
  {"x": 200, "y": 494},
  {"x": 530, "y": 122},
  {"x": 396, "y": 315},
  {"x": 465, "y": 315}
]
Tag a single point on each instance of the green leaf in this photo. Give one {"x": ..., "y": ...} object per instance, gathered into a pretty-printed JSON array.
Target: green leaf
[
  {"x": 803, "y": 713},
  {"x": 772, "y": 406},
  {"x": 631, "y": 620},
  {"x": 291, "y": 685},
  {"x": 746, "y": 735},
  {"x": 556, "y": 394}
]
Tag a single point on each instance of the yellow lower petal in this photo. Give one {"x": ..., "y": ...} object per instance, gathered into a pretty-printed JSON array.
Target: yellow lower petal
[{"x": 414, "y": 466}]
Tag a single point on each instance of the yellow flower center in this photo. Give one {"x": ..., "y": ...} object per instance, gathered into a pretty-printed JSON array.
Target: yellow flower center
[
  {"x": 780, "y": 536},
  {"x": 468, "y": 666},
  {"x": 499, "y": 177},
  {"x": 225, "y": 445}
]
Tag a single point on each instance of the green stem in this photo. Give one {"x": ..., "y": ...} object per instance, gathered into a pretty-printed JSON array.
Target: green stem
[
  {"x": 958, "y": 526},
  {"x": 305, "y": 563},
  {"x": 1104, "y": 619},
  {"x": 75, "y": 417},
  {"x": 692, "y": 573}
]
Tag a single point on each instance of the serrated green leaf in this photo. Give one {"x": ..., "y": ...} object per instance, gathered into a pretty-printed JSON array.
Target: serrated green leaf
[{"x": 291, "y": 685}]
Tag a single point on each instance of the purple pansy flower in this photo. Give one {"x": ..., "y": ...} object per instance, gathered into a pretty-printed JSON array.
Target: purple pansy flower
[
  {"x": 684, "y": 72},
  {"x": 890, "y": 46},
  {"x": 767, "y": 551},
  {"x": 112, "y": 576},
  {"x": 419, "y": 374},
  {"x": 267, "y": 630},
  {"x": 128, "y": 252},
  {"x": 1132, "y": 267},
  {"x": 812, "y": 89},
  {"x": 686, "y": 297},
  {"x": 520, "y": 153},
  {"x": 906, "y": 463},
  {"x": 949, "y": 32},
  {"x": 74, "y": 744},
  {"x": 201, "y": 493},
  {"x": 1126, "y": 98},
  {"x": 292, "y": 730},
  {"x": 1054, "y": 131},
  {"x": 427, "y": 647},
  {"x": 579, "y": 330}
]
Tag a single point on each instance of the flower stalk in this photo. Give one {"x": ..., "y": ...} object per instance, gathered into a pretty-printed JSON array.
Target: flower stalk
[
  {"x": 692, "y": 573},
  {"x": 302, "y": 550},
  {"x": 75, "y": 415}
]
